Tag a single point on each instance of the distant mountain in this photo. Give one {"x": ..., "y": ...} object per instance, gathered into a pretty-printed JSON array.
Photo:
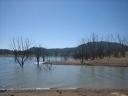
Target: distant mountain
[
  {"x": 54, "y": 51},
  {"x": 103, "y": 44},
  {"x": 61, "y": 51},
  {"x": 71, "y": 51},
  {"x": 101, "y": 49},
  {"x": 33, "y": 49},
  {"x": 5, "y": 51}
]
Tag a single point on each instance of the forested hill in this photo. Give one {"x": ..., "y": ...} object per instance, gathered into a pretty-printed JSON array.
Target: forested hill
[
  {"x": 98, "y": 46},
  {"x": 101, "y": 49},
  {"x": 5, "y": 52}
]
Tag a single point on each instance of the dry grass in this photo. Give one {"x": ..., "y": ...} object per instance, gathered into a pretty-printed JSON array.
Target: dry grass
[
  {"x": 109, "y": 61},
  {"x": 122, "y": 62}
]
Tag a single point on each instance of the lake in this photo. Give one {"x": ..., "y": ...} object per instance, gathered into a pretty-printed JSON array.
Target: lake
[{"x": 60, "y": 76}]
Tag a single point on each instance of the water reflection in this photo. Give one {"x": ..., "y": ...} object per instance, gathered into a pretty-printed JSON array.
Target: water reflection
[
  {"x": 45, "y": 67},
  {"x": 58, "y": 76},
  {"x": 103, "y": 77}
]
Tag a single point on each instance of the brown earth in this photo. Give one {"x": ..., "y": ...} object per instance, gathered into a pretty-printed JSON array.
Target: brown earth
[
  {"x": 120, "y": 62},
  {"x": 66, "y": 92}
]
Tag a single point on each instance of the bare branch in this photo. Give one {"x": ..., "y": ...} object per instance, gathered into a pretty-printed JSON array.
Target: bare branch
[{"x": 20, "y": 50}]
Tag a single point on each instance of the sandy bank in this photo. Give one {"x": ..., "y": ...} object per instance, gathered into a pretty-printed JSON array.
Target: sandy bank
[
  {"x": 66, "y": 92},
  {"x": 119, "y": 62}
]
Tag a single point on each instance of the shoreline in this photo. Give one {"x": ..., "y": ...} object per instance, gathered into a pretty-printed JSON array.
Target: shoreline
[
  {"x": 110, "y": 62},
  {"x": 87, "y": 64},
  {"x": 43, "y": 89},
  {"x": 66, "y": 92}
]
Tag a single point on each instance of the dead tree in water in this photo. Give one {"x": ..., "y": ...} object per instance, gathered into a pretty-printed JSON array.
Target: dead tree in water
[
  {"x": 38, "y": 54},
  {"x": 21, "y": 50},
  {"x": 44, "y": 53},
  {"x": 81, "y": 51}
]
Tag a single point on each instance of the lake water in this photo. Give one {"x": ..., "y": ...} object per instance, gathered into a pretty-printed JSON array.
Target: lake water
[{"x": 60, "y": 76}]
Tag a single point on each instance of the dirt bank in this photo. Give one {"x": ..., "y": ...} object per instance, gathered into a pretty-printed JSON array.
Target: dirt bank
[{"x": 66, "y": 92}]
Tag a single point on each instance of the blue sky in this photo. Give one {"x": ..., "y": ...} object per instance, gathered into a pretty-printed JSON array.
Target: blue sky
[{"x": 61, "y": 23}]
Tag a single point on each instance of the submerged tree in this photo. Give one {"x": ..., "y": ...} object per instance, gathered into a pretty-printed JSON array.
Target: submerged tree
[
  {"x": 80, "y": 52},
  {"x": 21, "y": 50},
  {"x": 44, "y": 53},
  {"x": 39, "y": 53}
]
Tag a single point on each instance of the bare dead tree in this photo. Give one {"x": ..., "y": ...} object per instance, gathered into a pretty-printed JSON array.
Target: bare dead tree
[
  {"x": 38, "y": 54},
  {"x": 21, "y": 50},
  {"x": 81, "y": 51},
  {"x": 44, "y": 53},
  {"x": 100, "y": 50},
  {"x": 109, "y": 50},
  {"x": 55, "y": 55},
  {"x": 123, "y": 46},
  {"x": 93, "y": 47}
]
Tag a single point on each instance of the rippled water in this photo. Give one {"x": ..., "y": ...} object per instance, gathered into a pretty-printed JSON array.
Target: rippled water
[{"x": 60, "y": 76}]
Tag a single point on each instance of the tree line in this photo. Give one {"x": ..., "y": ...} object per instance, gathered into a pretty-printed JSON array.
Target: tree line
[
  {"x": 90, "y": 49},
  {"x": 95, "y": 48}
]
